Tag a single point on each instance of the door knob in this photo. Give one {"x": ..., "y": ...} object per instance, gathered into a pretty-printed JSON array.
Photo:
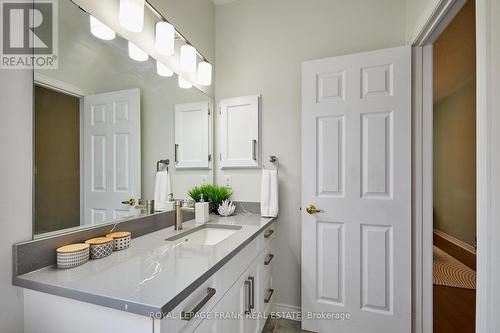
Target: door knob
[
  {"x": 130, "y": 202},
  {"x": 311, "y": 209}
]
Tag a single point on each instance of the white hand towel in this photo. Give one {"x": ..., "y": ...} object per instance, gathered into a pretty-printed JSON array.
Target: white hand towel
[
  {"x": 162, "y": 190},
  {"x": 269, "y": 193}
]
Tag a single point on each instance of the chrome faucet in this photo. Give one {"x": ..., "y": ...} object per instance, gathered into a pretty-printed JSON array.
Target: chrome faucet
[{"x": 179, "y": 214}]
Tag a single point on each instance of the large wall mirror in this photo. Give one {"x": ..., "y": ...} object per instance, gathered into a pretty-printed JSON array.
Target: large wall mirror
[{"x": 103, "y": 126}]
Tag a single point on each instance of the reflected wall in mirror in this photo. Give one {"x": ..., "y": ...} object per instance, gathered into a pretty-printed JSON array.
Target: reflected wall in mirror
[{"x": 102, "y": 121}]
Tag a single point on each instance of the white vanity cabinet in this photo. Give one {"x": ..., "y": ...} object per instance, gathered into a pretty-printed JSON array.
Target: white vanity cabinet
[
  {"x": 248, "y": 292},
  {"x": 235, "y": 299}
]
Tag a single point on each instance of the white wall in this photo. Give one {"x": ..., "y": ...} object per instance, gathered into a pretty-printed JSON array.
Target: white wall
[
  {"x": 15, "y": 187},
  {"x": 260, "y": 45}
]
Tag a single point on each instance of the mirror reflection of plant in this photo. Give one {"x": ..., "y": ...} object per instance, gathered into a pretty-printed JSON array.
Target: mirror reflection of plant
[{"x": 213, "y": 193}]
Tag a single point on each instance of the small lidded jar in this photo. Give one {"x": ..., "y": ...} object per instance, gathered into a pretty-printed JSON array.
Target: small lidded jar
[
  {"x": 100, "y": 247},
  {"x": 72, "y": 255},
  {"x": 121, "y": 240}
]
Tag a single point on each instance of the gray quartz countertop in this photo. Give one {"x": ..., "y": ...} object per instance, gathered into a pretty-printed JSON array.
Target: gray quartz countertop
[{"x": 153, "y": 275}]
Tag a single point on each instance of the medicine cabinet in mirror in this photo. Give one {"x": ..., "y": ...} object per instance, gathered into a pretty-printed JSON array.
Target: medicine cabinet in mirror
[{"x": 104, "y": 124}]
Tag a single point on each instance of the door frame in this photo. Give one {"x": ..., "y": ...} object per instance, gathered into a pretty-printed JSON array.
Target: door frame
[{"x": 422, "y": 165}]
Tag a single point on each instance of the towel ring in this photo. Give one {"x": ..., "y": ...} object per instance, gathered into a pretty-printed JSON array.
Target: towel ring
[
  {"x": 274, "y": 161},
  {"x": 164, "y": 162}
]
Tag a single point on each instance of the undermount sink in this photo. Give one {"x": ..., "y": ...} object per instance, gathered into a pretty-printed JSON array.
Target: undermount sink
[{"x": 205, "y": 234}]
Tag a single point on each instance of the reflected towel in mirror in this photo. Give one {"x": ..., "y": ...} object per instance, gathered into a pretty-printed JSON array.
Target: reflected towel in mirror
[{"x": 162, "y": 190}]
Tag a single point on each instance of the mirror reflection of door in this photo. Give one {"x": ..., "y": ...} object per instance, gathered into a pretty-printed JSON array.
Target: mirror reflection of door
[
  {"x": 111, "y": 154},
  {"x": 57, "y": 160},
  {"x": 108, "y": 132}
]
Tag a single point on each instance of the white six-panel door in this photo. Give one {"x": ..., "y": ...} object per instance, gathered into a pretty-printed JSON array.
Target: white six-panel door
[
  {"x": 356, "y": 150},
  {"x": 112, "y": 154}
]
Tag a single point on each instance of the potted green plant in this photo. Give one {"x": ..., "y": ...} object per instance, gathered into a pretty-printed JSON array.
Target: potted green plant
[
  {"x": 196, "y": 192},
  {"x": 213, "y": 193}
]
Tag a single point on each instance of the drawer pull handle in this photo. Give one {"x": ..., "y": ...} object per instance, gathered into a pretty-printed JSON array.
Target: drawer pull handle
[
  {"x": 249, "y": 295},
  {"x": 189, "y": 315},
  {"x": 269, "y": 295},
  {"x": 252, "y": 299},
  {"x": 268, "y": 233},
  {"x": 268, "y": 259}
]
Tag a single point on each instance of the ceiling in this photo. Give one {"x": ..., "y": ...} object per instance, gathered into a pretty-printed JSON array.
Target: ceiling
[
  {"x": 222, "y": 2},
  {"x": 455, "y": 54}
]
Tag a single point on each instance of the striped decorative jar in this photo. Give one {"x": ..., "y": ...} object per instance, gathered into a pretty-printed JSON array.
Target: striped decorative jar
[
  {"x": 121, "y": 240},
  {"x": 100, "y": 247},
  {"x": 72, "y": 255}
]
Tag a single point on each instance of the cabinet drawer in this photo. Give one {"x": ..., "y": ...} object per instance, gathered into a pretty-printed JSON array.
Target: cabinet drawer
[
  {"x": 201, "y": 301},
  {"x": 238, "y": 264}
]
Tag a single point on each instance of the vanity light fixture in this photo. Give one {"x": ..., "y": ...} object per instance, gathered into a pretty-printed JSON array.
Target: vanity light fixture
[
  {"x": 136, "y": 53},
  {"x": 204, "y": 76},
  {"x": 188, "y": 58},
  {"x": 131, "y": 15},
  {"x": 164, "y": 38},
  {"x": 163, "y": 70},
  {"x": 101, "y": 30},
  {"x": 184, "y": 84}
]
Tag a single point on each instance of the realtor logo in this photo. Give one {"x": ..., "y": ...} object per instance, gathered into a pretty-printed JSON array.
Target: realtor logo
[{"x": 29, "y": 34}]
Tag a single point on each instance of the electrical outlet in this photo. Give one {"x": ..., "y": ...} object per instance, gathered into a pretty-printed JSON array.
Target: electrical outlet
[
  {"x": 204, "y": 179},
  {"x": 228, "y": 181}
]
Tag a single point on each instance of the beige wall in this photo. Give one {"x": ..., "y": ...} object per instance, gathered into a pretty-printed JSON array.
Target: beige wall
[
  {"x": 455, "y": 164},
  {"x": 260, "y": 45},
  {"x": 57, "y": 161}
]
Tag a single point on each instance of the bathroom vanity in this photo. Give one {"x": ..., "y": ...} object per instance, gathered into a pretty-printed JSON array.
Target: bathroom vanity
[{"x": 215, "y": 277}]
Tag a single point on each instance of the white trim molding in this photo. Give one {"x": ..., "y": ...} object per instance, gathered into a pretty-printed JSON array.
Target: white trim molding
[
  {"x": 439, "y": 19},
  {"x": 488, "y": 159},
  {"x": 487, "y": 302}
]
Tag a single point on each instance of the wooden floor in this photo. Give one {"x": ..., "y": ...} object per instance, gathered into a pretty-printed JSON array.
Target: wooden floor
[{"x": 454, "y": 310}]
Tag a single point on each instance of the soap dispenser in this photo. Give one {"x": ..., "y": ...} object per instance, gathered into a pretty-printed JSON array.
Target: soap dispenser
[{"x": 201, "y": 210}]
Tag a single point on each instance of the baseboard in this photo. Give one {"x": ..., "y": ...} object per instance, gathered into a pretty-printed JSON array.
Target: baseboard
[
  {"x": 456, "y": 248},
  {"x": 291, "y": 311}
]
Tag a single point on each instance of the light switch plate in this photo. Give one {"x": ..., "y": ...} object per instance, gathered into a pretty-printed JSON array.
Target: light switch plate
[{"x": 228, "y": 181}]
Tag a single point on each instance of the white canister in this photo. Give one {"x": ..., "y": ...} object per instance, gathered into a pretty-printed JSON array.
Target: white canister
[{"x": 72, "y": 255}]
